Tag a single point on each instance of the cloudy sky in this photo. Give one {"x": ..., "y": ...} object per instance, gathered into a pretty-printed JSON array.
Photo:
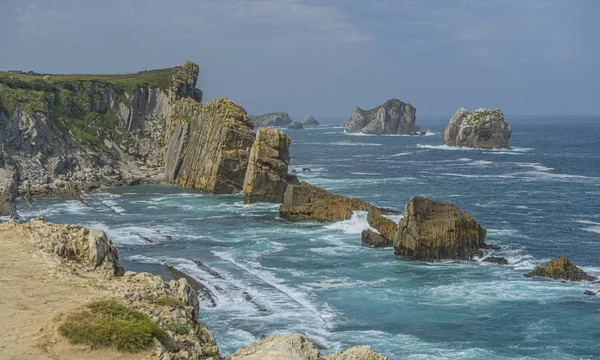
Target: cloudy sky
[{"x": 324, "y": 57}]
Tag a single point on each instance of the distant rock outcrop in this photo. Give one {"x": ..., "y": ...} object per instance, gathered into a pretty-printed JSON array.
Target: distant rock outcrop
[
  {"x": 272, "y": 119},
  {"x": 393, "y": 117},
  {"x": 561, "y": 269},
  {"x": 309, "y": 121},
  {"x": 432, "y": 230},
  {"x": 265, "y": 178},
  {"x": 306, "y": 202},
  {"x": 485, "y": 128},
  {"x": 295, "y": 125},
  {"x": 208, "y": 146}
]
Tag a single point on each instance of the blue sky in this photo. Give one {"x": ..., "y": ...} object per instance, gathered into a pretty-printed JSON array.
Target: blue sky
[{"x": 325, "y": 57}]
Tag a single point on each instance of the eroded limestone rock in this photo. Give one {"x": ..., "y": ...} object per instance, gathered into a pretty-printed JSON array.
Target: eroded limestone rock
[
  {"x": 393, "y": 117},
  {"x": 485, "y": 128},
  {"x": 561, "y": 269}
]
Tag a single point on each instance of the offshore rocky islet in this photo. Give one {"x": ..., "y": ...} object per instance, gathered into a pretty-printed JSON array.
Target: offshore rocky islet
[{"x": 185, "y": 118}]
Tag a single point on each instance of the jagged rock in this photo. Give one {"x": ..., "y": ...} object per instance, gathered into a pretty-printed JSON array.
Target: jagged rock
[
  {"x": 434, "y": 230},
  {"x": 9, "y": 184},
  {"x": 309, "y": 121},
  {"x": 373, "y": 239},
  {"x": 306, "y": 202},
  {"x": 295, "y": 125},
  {"x": 590, "y": 293},
  {"x": 184, "y": 81},
  {"x": 357, "y": 353},
  {"x": 485, "y": 128},
  {"x": 385, "y": 226},
  {"x": 209, "y": 145},
  {"x": 265, "y": 178},
  {"x": 496, "y": 260},
  {"x": 393, "y": 117},
  {"x": 272, "y": 119},
  {"x": 278, "y": 347},
  {"x": 200, "y": 289},
  {"x": 561, "y": 268}
]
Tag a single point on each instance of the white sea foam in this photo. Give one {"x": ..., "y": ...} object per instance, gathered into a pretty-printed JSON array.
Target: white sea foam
[
  {"x": 365, "y": 173},
  {"x": 487, "y": 151},
  {"x": 480, "y": 162},
  {"x": 401, "y": 154},
  {"x": 354, "y": 143},
  {"x": 595, "y": 228},
  {"x": 356, "y": 224}
]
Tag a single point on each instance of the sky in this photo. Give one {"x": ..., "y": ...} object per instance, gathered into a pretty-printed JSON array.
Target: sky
[{"x": 324, "y": 57}]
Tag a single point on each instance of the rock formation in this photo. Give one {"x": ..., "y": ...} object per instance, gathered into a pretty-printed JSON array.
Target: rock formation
[
  {"x": 297, "y": 347},
  {"x": 90, "y": 130},
  {"x": 485, "y": 128},
  {"x": 393, "y": 117},
  {"x": 272, "y": 119},
  {"x": 295, "y": 125},
  {"x": 9, "y": 181},
  {"x": 434, "y": 230},
  {"x": 306, "y": 202},
  {"x": 496, "y": 260},
  {"x": 309, "y": 121},
  {"x": 385, "y": 226},
  {"x": 265, "y": 179},
  {"x": 373, "y": 239},
  {"x": 208, "y": 145},
  {"x": 561, "y": 269}
]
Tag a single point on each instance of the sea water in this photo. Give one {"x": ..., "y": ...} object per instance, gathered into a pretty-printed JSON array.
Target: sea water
[{"x": 538, "y": 200}]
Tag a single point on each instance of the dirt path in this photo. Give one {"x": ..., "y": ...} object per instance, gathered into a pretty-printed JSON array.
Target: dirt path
[{"x": 34, "y": 293}]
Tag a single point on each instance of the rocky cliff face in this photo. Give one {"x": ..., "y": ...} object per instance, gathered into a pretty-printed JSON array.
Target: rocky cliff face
[
  {"x": 306, "y": 202},
  {"x": 272, "y": 119},
  {"x": 433, "y": 230},
  {"x": 8, "y": 185},
  {"x": 393, "y": 117},
  {"x": 89, "y": 130},
  {"x": 209, "y": 145},
  {"x": 265, "y": 178},
  {"x": 485, "y": 128}
]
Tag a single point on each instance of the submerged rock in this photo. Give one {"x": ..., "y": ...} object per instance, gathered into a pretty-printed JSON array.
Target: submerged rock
[
  {"x": 485, "y": 128},
  {"x": 590, "y": 293},
  {"x": 496, "y": 260},
  {"x": 393, "y": 117},
  {"x": 272, "y": 119},
  {"x": 373, "y": 239},
  {"x": 295, "y": 125},
  {"x": 306, "y": 202},
  {"x": 208, "y": 146},
  {"x": 561, "y": 269},
  {"x": 309, "y": 121},
  {"x": 265, "y": 178},
  {"x": 434, "y": 230}
]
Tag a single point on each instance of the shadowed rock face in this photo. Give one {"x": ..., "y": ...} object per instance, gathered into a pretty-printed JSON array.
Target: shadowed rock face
[
  {"x": 309, "y": 121},
  {"x": 393, "y": 117},
  {"x": 485, "y": 128},
  {"x": 373, "y": 239},
  {"x": 306, "y": 202},
  {"x": 385, "y": 226},
  {"x": 433, "y": 230},
  {"x": 562, "y": 269},
  {"x": 272, "y": 119},
  {"x": 9, "y": 182},
  {"x": 265, "y": 178},
  {"x": 295, "y": 125},
  {"x": 209, "y": 145}
]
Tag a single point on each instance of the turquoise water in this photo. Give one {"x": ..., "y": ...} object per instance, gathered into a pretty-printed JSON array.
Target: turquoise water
[{"x": 538, "y": 201}]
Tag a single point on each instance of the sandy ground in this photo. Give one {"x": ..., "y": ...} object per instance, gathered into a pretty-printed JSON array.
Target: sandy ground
[{"x": 34, "y": 294}]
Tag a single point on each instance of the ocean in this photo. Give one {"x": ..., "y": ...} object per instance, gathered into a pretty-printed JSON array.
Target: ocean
[{"x": 538, "y": 200}]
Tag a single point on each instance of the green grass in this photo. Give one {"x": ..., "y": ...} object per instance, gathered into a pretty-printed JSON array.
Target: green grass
[
  {"x": 165, "y": 300},
  {"x": 179, "y": 329},
  {"x": 109, "y": 324},
  {"x": 480, "y": 115}
]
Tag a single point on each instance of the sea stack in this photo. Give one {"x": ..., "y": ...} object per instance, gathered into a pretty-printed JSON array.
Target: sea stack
[
  {"x": 560, "y": 269},
  {"x": 272, "y": 119},
  {"x": 295, "y": 125},
  {"x": 485, "y": 128},
  {"x": 393, "y": 117},
  {"x": 432, "y": 230},
  {"x": 309, "y": 121}
]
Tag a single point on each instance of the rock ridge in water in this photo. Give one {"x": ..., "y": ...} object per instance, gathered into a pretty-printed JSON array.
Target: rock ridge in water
[
  {"x": 209, "y": 145},
  {"x": 309, "y": 121},
  {"x": 279, "y": 119},
  {"x": 266, "y": 176},
  {"x": 393, "y": 117},
  {"x": 295, "y": 125},
  {"x": 485, "y": 128},
  {"x": 561, "y": 269},
  {"x": 432, "y": 230}
]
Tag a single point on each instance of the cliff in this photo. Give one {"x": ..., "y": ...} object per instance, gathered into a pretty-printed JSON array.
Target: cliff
[
  {"x": 89, "y": 130},
  {"x": 393, "y": 117},
  {"x": 485, "y": 128}
]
